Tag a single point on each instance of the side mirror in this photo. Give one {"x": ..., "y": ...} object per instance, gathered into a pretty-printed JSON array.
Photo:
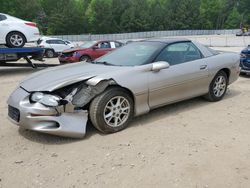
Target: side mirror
[
  {"x": 157, "y": 66},
  {"x": 95, "y": 47}
]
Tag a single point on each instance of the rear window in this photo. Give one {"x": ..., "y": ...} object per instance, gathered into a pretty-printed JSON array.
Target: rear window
[
  {"x": 55, "y": 42},
  {"x": 2, "y": 17},
  {"x": 118, "y": 44},
  {"x": 212, "y": 51}
]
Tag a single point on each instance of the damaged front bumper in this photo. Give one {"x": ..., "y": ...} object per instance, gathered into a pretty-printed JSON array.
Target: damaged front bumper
[{"x": 37, "y": 117}]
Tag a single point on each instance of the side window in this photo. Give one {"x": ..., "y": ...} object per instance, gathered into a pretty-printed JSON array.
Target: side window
[
  {"x": 60, "y": 42},
  {"x": 103, "y": 45},
  {"x": 179, "y": 53},
  {"x": 49, "y": 41},
  {"x": 2, "y": 17}
]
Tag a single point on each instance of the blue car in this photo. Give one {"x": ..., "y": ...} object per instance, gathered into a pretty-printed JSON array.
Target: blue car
[{"x": 245, "y": 60}]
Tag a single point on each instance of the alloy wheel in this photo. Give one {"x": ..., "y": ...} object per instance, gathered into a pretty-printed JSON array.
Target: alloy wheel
[
  {"x": 16, "y": 40},
  {"x": 219, "y": 86},
  {"x": 116, "y": 111}
]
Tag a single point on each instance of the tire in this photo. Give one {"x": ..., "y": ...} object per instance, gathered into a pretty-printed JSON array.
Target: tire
[
  {"x": 117, "y": 117},
  {"x": 218, "y": 87},
  {"x": 63, "y": 62},
  {"x": 85, "y": 58},
  {"x": 49, "y": 53},
  {"x": 15, "y": 40}
]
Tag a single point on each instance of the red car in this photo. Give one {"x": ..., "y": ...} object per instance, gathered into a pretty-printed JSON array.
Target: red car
[{"x": 89, "y": 51}]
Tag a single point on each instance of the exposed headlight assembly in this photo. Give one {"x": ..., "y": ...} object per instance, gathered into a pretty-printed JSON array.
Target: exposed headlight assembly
[
  {"x": 36, "y": 97},
  {"x": 45, "y": 99},
  {"x": 243, "y": 55}
]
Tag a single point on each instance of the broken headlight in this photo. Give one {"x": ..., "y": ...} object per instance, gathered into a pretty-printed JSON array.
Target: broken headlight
[
  {"x": 45, "y": 99},
  {"x": 243, "y": 55}
]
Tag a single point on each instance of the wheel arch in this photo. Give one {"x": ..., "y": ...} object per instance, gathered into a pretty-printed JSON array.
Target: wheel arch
[
  {"x": 124, "y": 88},
  {"x": 46, "y": 49},
  {"x": 227, "y": 71},
  {"x": 25, "y": 38},
  {"x": 128, "y": 91},
  {"x": 85, "y": 55}
]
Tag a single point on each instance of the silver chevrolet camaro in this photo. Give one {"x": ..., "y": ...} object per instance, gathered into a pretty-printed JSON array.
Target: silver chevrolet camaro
[{"x": 113, "y": 89}]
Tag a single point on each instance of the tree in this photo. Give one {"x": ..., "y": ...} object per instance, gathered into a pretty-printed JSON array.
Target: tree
[
  {"x": 136, "y": 17},
  {"x": 115, "y": 16},
  {"x": 233, "y": 20},
  {"x": 99, "y": 15}
]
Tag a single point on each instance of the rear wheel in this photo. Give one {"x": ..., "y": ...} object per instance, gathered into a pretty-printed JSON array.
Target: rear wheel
[
  {"x": 15, "y": 40},
  {"x": 85, "y": 58},
  {"x": 218, "y": 87},
  {"x": 112, "y": 111},
  {"x": 50, "y": 53}
]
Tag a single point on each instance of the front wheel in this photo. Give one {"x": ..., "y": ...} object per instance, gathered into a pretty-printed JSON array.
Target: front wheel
[
  {"x": 218, "y": 87},
  {"x": 112, "y": 111},
  {"x": 85, "y": 58}
]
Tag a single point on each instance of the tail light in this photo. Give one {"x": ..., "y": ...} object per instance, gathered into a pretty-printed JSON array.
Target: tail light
[{"x": 30, "y": 24}]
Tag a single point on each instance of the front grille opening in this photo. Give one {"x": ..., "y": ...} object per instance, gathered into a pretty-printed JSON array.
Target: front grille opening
[{"x": 14, "y": 113}]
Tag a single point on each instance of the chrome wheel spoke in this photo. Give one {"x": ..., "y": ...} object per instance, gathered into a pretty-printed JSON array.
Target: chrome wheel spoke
[
  {"x": 219, "y": 86},
  {"x": 116, "y": 111},
  {"x": 116, "y": 121},
  {"x": 109, "y": 115}
]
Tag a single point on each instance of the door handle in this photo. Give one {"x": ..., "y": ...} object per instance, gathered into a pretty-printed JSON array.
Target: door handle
[{"x": 203, "y": 67}]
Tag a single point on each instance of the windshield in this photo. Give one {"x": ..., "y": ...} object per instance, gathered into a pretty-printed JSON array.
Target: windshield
[
  {"x": 88, "y": 44},
  {"x": 133, "y": 54}
]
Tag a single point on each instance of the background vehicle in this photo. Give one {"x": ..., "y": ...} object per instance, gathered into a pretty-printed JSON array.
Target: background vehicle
[
  {"x": 89, "y": 51},
  {"x": 15, "y": 32},
  {"x": 118, "y": 86},
  {"x": 54, "y": 46},
  {"x": 245, "y": 60},
  {"x": 243, "y": 32}
]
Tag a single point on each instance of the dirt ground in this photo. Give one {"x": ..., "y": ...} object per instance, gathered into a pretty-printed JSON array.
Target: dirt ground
[{"x": 190, "y": 144}]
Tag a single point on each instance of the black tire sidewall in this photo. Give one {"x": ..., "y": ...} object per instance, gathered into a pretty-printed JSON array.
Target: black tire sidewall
[
  {"x": 99, "y": 122},
  {"x": 85, "y": 58},
  {"x": 47, "y": 52},
  {"x": 9, "y": 44},
  {"x": 211, "y": 92}
]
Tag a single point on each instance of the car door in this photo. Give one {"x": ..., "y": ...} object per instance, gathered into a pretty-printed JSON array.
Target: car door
[
  {"x": 58, "y": 45},
  {"x": 101, "y": 49},
  {"x": 186, "y": 77},
  {"x": 4, "y": 27}
]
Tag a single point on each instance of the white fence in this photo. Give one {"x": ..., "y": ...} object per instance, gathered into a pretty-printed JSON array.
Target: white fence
[
  {"x": 216, "y": 38},
  {"x": 143, "y": 35}
]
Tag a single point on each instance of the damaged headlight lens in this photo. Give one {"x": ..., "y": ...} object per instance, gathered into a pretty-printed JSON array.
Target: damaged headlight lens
[
  {"x": 36, "y": 97},
  {"x": 45, "y": 99}
]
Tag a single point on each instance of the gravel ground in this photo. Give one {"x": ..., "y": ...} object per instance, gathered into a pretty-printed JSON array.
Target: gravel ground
[{"x": 189, "y": 144}]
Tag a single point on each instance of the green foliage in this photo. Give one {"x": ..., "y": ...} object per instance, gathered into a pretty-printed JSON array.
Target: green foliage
[
  {"x": 117, "y": 16},
  {"x": 233, "y": 20},
  {"x": 99, "y": 16}
]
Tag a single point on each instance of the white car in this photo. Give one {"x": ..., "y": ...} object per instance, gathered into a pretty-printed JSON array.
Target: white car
[
  {"x": 54, "y": 46},
  {"x": 15, "y": 32}
]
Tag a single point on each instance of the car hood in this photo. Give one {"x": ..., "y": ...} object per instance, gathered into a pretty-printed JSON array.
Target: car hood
[
  {"x": 58, "y": 77},
  {"x": 73, "y": 50}
]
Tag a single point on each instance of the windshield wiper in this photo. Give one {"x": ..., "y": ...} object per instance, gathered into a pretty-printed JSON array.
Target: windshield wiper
[{"x": 102, "y": 62}]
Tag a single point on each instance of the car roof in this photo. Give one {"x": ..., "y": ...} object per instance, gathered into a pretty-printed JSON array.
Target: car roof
[
  {"x": 51, "y": 38},
  {"x": 107, "y": 41},
  {"x": 168, "y": 40}
]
